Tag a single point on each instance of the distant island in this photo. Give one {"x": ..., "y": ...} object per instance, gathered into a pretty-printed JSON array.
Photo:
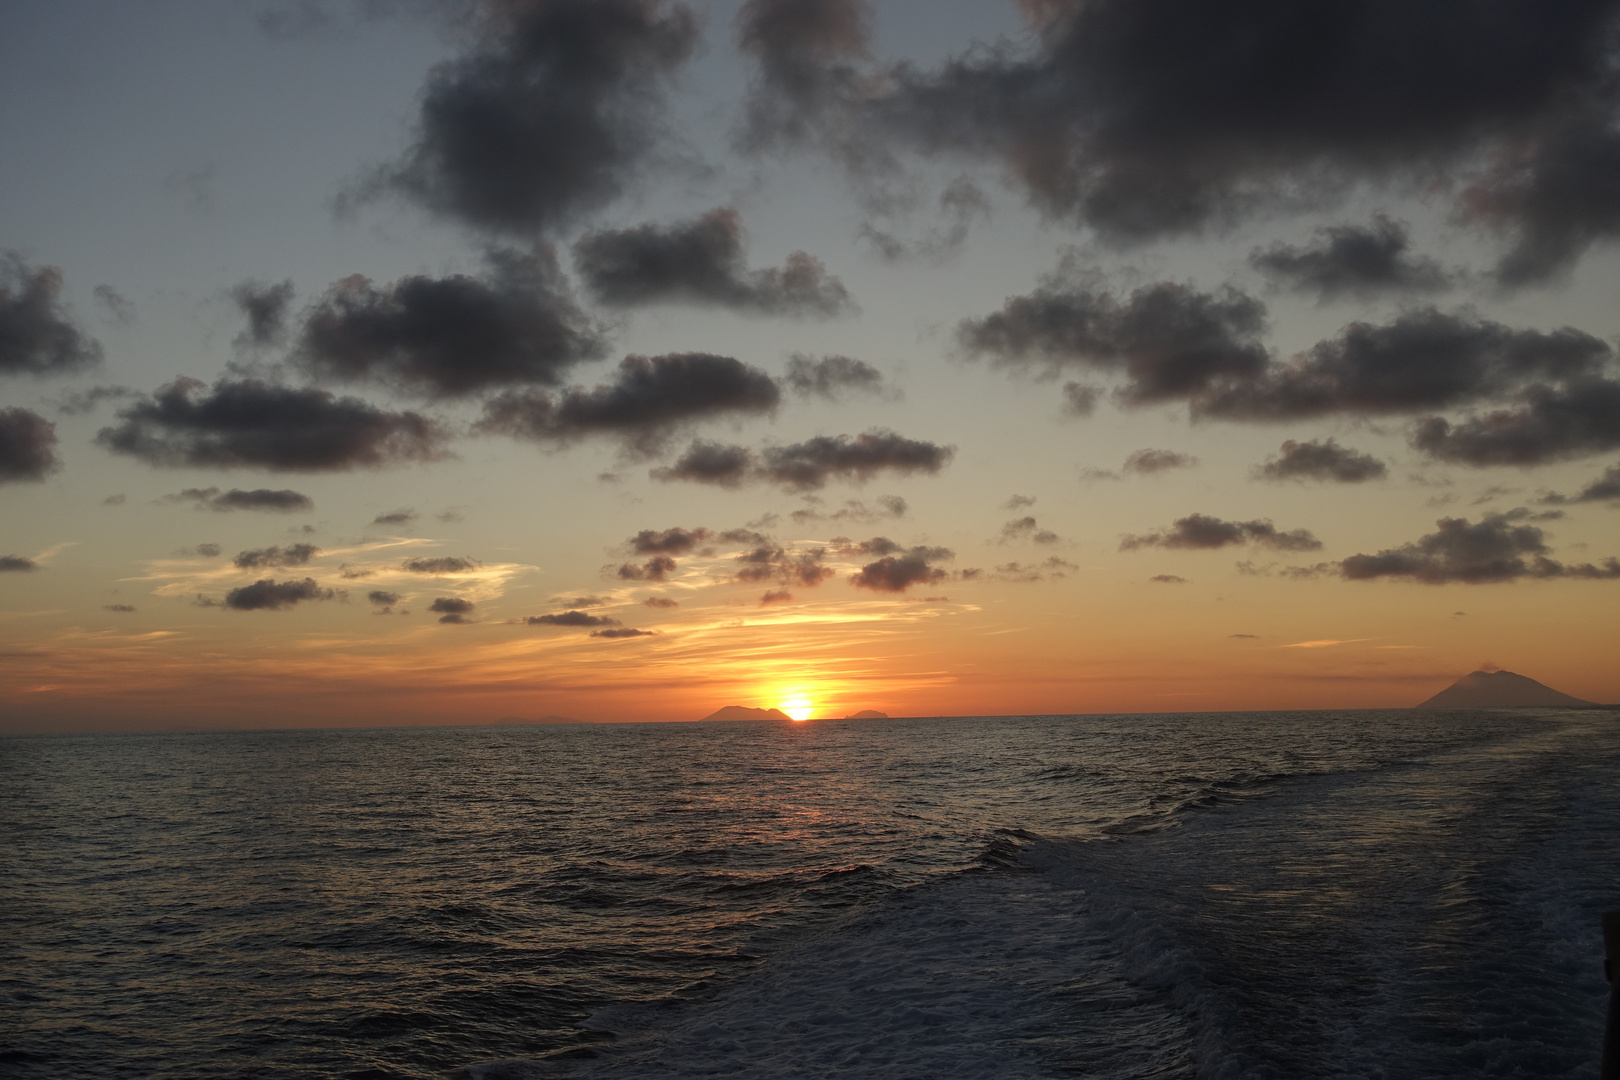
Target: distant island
[
  {"x": 1501, "y": 690},
  {"x": 743, "y": 712},
  {"x": 542, "y": 720},
  {"x": 867, "y": 714}
]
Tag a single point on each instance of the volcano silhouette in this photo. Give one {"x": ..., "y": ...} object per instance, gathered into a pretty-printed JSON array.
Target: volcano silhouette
[{"x": 1500, "y": 690}]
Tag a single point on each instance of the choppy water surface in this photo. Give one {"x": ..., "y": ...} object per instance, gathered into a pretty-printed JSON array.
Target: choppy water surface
[{"x": 1225, "y": 895}]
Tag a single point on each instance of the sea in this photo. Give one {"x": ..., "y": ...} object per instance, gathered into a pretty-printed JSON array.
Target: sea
[{"x": 1395, "y": 894}]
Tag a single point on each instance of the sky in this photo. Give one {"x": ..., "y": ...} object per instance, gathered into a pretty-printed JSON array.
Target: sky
[{"x": 413, "y": 362}]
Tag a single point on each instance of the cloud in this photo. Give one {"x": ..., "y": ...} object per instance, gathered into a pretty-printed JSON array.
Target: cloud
[
  {"x": 1604, "y": 488},
  {"x": 253, "y": 424},
  {"x": 1359, "y": 261},
  {"x": 1018, "y": 502},
  {"x": 205, "y": 551},
  {"x": 438, "y": 565},
  {"x": 1151, "y": 462},
  {"x": 1497, "y": 548},
  {"x": 649, "y": 399},
  {"x": 1025, "y": 528},
  {"x": 1423, "y": 359},
  {"x": 36, "y": 335},
  {"x": 403, "y": 516},
  {"x": 580, "y": 601},
  {"x": 1170, "y": 579},
  {"x": 960, "y": 204},
  {"x": 897, "y": 573},
  {"x": 281, "y": 501},
  {"x": 704, "y": 462},
  {"x": 1027, "y": 574},
  {"x": 17, "y": 564},
  {"x": 855, "y": 511},
  {"x": 671, "y": 541},
  {"x": 1170, "y": 341},
  {"x": 702, "y": 262},
  {"x": 831, "y": 377},
  {"x": 623, "y": 632},
  {"x": 292, "y": 555},
  {"x": 27, "y": 446},
  {"x": 812, "y": 463},
  {"x": 118, "y": 306},
  {"x": 268, "y": 595},
  {"x": 807, "y": 53},
  {"x": 1079, "y": 399},
  {"x": 1200, "y": 531},
  {"x": 549, "y": 116},
  {"x": 773, "y": 563},
  {"x": 1322, "y": 461},
  {"x": 661, "y": 602},
  {"x": 1549, "y": 424},
  {"x": 122, "y": 609},
  {"x": 1147, "y": 118},
  {"x": 265, "y": 308},
  {"x": 657, "y": 568},
  {"x": 383, "y": 600},
  {"x": 452, "y": 336},
  {"x": 453, "y": 610},
  {"x": 776, "y": 596},
  {"x": 571, "y": 618}
]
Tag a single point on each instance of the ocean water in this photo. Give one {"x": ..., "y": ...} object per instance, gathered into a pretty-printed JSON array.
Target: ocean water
[{"x": 1290, "y": 895}]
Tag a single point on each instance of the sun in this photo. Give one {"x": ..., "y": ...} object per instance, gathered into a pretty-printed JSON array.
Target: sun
[{"x": 799, "y": 708}]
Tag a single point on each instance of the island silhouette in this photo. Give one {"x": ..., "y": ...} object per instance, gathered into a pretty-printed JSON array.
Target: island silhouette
[
  {"x": 1497, "y": 689},
  {"x": 743, "y": 712}
]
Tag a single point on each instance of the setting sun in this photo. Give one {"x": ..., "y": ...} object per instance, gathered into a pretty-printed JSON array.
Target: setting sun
[{"x": 799, "y": 708}]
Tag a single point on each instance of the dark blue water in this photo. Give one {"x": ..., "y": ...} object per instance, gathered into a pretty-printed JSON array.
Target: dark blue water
[{"x": 1361, "y": 894}]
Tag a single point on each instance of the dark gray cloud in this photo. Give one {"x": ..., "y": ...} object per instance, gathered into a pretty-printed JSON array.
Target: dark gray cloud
[
  {"x": 1149, "y": 462},
  {"x": 403, "y": 516},
  {"x": 253, "y": 424},
  {"x": 808, "y": 54},
  {"x": 452, "y": 610},
  {"x": 80, "y": 402},
  {"x": 571, "y": 618},
  {"x": 36, "y": 335},
  {"x": 17, "y": 564},
  {"x": 265, "y": 308},
  {"x": 623, "y": 632},
  {"x": 118, "y": 306},
  {"x": 27, "y": 446},
  {"x": 1360, "y": 261},
  {"x": 279, "y": 501},
  {"x": 383, "y": 600},
  {"x": 1142, "y": 118},
  {"x": 1423, "y": 359},
  {"x": 1203, "y": 531},
  {"x": 1026, "y": 529},
  {"x": 704, "y": 462},
  {"x": 898, "y": 572},
  {"x": 1322, "y": 461},
  {"x": 1555, "y": 196},
  {"x": 121, "y": 609},
  {"x": 1169, "y": 341},
  {"x": 811, "y": 464},
  {"x": 1605, "y": 488},
  {"x": 452, "y": 336},
  {"x": 657, "y": 568},
  {"x": 960, "y": 204},
  {"x": 1080, "y": 399},
  {"x": 1497, "y": 548},
  {"x": 269, "y": 595},
  {"x": 1018, "y": 502},
  {"x": 671, "y": 541},
  {"x": 438, "y": 565},
  {"x": 772, "y": 563},
  {"x": 650, "y": 398},
  {"x": 1028, "y": 573},
  {"x": 1168, "y": 579},
  {"x": 775, "y": 596},
  {"x": 661, "y": 602},
  {"x": 549, "y": 116},
  {"x": 206, "y": 551},
  {"x": 702, "y": 262},
  {"x": 831, "y": 377},
  {"x": 262, "y": 558},
  {"x": 1548, "y": 424}
]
